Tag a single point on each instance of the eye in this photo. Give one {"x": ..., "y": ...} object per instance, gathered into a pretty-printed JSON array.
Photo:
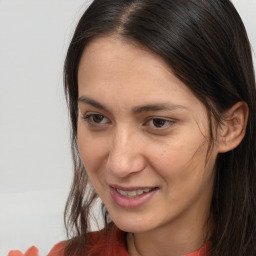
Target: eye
[
  {"x": 95, "y": 119},
  {"x": 160, "y": 123}
]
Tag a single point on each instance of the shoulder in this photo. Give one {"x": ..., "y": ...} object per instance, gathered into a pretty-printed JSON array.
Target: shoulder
[
  {"x": 110, "y": 242},
  {"x": 58, "y": 249}
]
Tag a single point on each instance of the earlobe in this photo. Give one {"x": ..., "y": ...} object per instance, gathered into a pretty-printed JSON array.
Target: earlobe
[{"x": 232, "y": 131}]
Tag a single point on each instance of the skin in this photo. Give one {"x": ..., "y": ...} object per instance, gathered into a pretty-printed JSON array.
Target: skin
[{"x": 122, "y": 142}]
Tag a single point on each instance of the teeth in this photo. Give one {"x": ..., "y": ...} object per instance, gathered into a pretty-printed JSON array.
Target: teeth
[{"x": 134, "y": 193}]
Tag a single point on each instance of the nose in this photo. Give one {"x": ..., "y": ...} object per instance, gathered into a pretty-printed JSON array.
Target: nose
[{"x": 125, "y": 156}]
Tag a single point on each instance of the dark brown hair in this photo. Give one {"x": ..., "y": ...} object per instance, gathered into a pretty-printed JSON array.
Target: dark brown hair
[{"x": 206, "y": 46}]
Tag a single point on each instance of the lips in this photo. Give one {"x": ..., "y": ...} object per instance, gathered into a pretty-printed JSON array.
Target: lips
[{"x": 131, "y": 197}]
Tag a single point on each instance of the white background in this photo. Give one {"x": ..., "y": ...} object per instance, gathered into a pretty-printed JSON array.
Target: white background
[{"x": 35, "y": 161}]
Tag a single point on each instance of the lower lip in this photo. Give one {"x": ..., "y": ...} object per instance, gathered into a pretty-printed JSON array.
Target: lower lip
[{"x": 126, "y": 202}]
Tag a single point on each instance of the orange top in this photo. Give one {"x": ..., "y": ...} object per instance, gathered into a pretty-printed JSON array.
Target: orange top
[
  {"x": 100, "y": 245},
  {"x": 113, "y": 245}
]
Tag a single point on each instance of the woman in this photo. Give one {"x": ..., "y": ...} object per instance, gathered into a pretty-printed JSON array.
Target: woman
[{"x": 161, "y": 97}]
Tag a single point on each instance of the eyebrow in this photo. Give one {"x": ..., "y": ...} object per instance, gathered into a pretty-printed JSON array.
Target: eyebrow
[
  {"x": 135, "y": 110},
  {"x": 91, "y": 102},
  {"x": 157, "y": 107}
]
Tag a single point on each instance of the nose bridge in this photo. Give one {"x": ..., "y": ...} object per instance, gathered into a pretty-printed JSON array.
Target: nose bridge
[{"x": 125, "y": 156}]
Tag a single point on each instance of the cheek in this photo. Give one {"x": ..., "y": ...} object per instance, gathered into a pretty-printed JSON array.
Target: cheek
[
  {"x": 91, "y": 150},
  {"x": 174, "y": 156},
  {"x": 184, "y": 173},
  {"x": 181, "y": 164}
]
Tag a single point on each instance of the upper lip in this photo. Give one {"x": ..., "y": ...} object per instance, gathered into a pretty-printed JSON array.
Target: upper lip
[{"x": 131, "y": 188}]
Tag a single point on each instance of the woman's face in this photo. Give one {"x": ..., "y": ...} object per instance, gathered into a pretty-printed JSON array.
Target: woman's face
[{"x": 143, "y": 137}]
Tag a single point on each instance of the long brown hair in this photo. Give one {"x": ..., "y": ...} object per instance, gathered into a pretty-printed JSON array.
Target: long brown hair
[{"x": 205, "y": 44}]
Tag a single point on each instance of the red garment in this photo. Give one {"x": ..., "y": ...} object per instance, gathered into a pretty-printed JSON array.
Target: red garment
[
  {"x": 113, "y": 245},
  {"x": 32, "y": 251}
]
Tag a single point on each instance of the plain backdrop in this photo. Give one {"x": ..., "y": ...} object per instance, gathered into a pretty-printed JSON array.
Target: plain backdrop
[{"x": 35, "y": 166}]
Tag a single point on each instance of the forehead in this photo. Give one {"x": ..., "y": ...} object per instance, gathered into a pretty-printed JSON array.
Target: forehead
[
  {"x": 130, "y": 57},
  {"x": 123, "y": 71}
]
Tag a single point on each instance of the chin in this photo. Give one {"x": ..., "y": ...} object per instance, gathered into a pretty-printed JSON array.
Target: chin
[{"x": 132, "y": 225}]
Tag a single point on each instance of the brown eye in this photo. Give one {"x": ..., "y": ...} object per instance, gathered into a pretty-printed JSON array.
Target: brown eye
[
  {"x": 159, "y": 123},
  {"x": 96, "y": 118}
]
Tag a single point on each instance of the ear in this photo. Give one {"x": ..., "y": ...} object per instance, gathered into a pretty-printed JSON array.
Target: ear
[{"x": 231, "y": 132}]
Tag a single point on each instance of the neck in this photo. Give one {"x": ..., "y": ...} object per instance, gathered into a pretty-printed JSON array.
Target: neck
[{"x": 169, "y": 241}]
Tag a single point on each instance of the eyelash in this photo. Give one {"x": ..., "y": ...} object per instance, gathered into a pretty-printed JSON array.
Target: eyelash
[
  {"x": 167, "y": 122},
  {"x": 89, "y": 119}
]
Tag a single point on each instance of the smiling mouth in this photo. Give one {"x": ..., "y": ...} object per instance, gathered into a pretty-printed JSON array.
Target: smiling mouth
[
  {"x": 134, "y": 193},
  {"x": 131, "y": 197}
]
